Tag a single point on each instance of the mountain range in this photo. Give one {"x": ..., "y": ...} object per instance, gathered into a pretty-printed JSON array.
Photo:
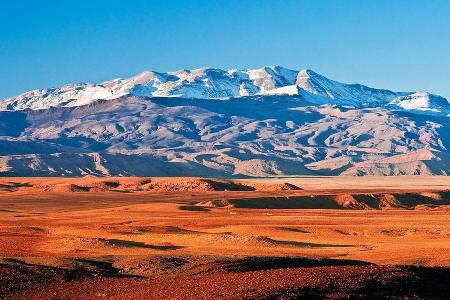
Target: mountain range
[{"x": 210, "y": 122}]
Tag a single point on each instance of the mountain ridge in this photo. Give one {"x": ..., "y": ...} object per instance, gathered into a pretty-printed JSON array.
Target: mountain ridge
[
  {"x": 214, "y": 83},
  {"x": 253, "y": 137},
  {"x": 209, "y": 122}
]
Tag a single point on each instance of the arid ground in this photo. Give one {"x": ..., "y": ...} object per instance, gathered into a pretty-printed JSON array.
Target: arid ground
[{"x": 191, "y": 238}]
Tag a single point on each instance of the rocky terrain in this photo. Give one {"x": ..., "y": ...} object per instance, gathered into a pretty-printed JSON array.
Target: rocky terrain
[
  {"x": 215, "y": 123},
  {"x": 183, "y": 238},
  {"x": 136, "y": 184}
]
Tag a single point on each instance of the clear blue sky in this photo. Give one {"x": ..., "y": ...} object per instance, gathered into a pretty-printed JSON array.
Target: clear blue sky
[{"x": 396, "y": 44}]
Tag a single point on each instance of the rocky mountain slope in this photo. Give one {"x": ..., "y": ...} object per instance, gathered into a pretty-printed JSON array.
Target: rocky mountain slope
[
  {"x": 210, "y": 83},
  {"x": 214, "y": 123}
]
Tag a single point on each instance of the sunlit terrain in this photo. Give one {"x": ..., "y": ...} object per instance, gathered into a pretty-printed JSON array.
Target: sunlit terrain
[{"x": 170, "y": 238}]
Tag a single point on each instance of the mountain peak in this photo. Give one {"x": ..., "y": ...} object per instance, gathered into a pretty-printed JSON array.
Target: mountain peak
[
  {"x": 215, "y": 83},
  {"x": 314, "y": 83},
  {"x": 422, "y": 101},
  {"x": 307, "y": 72}
]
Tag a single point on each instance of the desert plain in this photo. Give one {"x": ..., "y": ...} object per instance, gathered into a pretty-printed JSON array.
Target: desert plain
[{"x": 196, "y": 238}]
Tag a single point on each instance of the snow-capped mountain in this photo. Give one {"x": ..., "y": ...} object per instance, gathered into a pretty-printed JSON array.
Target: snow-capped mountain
[
  {"x": 209, "y": 122},
  {"x": 211, "y": 83},
  {"x": 204, "y": 83},
  {"x": 421, "y": 101},
  {"x": 350, "y": 94}
]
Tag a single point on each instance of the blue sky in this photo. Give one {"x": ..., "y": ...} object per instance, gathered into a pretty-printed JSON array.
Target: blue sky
[{"x": 396, "y": 44}]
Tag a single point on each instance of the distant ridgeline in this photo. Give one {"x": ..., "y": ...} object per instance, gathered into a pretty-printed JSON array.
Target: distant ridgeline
[{"x": 216, "y": 123}]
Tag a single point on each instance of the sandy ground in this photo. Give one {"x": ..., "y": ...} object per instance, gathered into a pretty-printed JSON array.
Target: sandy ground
[
  {"x": 324, "y": 183},
  {"x": 125, "y": 244}
]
